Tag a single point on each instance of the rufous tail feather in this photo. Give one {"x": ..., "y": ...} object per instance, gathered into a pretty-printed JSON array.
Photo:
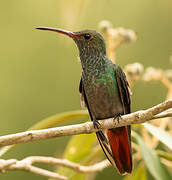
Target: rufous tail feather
[{"x": 120, "y": 146}]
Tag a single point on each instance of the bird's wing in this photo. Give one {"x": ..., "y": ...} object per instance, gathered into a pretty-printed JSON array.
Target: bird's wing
[
  {"x": 124, "y": 89},
  {"x": 81, "y": 91},
  {"x": 124, "y": 92}
]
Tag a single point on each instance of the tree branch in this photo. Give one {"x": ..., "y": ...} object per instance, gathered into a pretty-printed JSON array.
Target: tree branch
[
  {"x": 85, "y": 128},
  {"x": 26, "y": 165}
]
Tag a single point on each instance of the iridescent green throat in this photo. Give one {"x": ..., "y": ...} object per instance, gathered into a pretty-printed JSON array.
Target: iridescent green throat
[{"x": 92, "y": 55}]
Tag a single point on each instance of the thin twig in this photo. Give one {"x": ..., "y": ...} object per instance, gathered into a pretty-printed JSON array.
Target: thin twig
[
  {"x": 85, "y": 128},
  {"x": 27, "y": 165},
  {"x": 163, "y": 115}
]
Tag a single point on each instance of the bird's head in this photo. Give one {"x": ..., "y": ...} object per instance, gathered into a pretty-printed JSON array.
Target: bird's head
[{"x": 88, "y": 41}]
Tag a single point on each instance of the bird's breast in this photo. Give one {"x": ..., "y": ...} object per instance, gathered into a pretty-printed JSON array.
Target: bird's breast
[{"x": 103, "y": 96}]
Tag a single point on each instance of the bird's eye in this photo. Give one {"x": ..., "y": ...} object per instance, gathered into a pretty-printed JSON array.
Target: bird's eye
[{"x": 87, "y": 36}]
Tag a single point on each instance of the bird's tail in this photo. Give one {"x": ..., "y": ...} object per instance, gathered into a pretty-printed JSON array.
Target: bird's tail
[{"x": 120, "y": 143}]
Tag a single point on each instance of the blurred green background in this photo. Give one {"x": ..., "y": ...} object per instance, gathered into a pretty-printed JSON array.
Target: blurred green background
[{"x": 40, "y": 73}]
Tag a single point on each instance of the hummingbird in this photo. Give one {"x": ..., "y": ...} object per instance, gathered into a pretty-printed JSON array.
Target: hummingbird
[{"x": 106, "y": 94}]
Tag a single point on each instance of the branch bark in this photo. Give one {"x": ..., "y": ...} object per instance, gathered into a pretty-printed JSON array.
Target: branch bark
[
  {"x": 86, "y": 128},
  {"x": 27, "y": 165}
]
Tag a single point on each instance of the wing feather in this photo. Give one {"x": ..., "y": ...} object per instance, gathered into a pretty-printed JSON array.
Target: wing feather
[{"x": 125, "y": 93}]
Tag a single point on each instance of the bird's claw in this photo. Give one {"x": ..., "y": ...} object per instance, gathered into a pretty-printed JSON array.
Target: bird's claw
[
  {"x": 96, "y": 124},
  {"x": 117, "y": 117}
]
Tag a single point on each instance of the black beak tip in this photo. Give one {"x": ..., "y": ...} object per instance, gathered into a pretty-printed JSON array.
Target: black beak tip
[{"x": 40, "y": 28}]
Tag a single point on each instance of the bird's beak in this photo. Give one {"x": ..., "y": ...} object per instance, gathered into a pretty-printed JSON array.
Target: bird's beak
[{"x": 68, "y": 33}]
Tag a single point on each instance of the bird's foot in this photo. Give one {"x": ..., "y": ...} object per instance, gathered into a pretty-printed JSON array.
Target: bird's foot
[
  {"x": 96, "y": 124},
  {"x": 117, "y": 117}
]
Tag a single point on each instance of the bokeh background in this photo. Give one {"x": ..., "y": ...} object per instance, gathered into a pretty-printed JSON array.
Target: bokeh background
[{"x": 40, "y": 72}]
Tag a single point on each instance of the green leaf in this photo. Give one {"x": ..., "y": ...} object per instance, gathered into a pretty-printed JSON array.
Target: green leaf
[
  {"x": 59, "y": 118},
  {"x": 163, "y": 136},
  {"x": 78, "y": 149},
  {"x": 138, "y": 174},
  {"x": 152, "y": 161},
  {"x": 51, "y": 122}
]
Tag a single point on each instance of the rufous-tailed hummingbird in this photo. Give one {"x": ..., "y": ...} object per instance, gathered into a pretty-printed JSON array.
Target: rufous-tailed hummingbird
[{"x": 105, "y": 92}]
